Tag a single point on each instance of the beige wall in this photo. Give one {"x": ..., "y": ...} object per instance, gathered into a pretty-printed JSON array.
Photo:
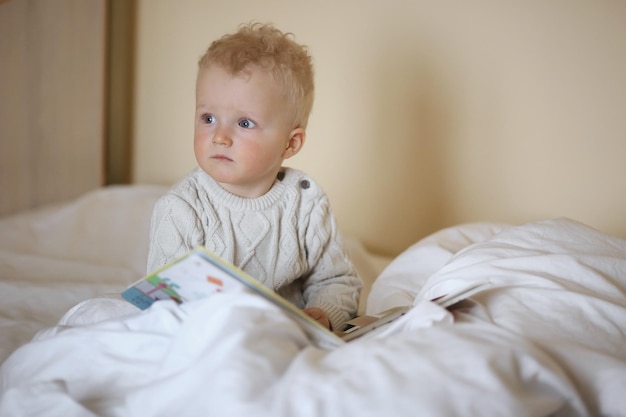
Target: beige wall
[
  {"x": 427, "y": 113},
  {"x": 52, "y": 73}
]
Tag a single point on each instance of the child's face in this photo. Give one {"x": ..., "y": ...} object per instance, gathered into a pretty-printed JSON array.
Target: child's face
[{"x": 243, "y": 129}]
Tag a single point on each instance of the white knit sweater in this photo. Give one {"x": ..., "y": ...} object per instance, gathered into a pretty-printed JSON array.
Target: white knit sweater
[{"x": 287, "y": 238}]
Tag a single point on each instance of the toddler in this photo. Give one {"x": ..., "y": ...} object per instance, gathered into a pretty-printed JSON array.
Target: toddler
[{"x": 254, "y": 93}]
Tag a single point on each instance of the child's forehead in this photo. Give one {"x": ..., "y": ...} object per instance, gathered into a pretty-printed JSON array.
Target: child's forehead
[
  {"x": 245, "y": 73},
  {"x": 217, "y": 84},
  {"x": 267, "y": 77}
]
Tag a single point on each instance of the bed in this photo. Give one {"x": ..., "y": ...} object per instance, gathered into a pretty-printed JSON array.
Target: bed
[{"x": 546, "y": 338}]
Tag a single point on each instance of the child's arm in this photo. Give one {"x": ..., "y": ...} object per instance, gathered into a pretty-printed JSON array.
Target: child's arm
[{"x": 332, "y": 283}]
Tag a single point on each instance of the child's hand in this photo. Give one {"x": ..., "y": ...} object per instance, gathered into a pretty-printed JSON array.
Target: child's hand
[{"x": 318, "y": 315}]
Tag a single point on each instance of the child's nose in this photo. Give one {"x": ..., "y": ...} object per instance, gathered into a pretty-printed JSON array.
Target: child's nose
[{"x": 222, "y": 137}]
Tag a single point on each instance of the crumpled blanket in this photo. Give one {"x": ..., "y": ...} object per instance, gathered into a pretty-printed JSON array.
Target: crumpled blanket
[{"x": 546, "y": 339}]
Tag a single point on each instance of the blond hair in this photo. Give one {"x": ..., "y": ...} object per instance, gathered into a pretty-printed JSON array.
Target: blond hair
[{"x": 264, "y": 46}]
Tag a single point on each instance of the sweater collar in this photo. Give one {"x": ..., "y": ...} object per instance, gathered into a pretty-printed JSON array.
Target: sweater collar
[{"x": 223, "y": 197}]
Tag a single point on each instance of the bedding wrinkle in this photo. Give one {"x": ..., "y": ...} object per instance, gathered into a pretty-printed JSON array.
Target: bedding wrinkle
[{"x": 558, "y": 284}]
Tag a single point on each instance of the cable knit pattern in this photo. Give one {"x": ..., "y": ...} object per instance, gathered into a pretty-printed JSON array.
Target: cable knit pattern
[{"x": 287, "y": 238}]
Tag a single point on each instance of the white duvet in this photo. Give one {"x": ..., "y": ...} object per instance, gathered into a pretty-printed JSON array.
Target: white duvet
[{"x": 548, "y": 338}]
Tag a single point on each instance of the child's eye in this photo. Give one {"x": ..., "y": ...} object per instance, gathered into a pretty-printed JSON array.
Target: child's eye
[
  {"x": 247, "y": 124},
  {"x": 208, "y": 119}
]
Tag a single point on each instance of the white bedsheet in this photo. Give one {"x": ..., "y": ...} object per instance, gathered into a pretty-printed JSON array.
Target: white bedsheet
[
  {"x": 53, "y": 258},
  {"x": 548, "y": 339}
]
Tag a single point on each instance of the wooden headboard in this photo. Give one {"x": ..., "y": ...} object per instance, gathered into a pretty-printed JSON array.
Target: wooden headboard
[{"x": 65, "y": 81}]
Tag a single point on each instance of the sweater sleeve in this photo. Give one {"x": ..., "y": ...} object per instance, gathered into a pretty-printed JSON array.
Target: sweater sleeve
[
  {"x": 333, "y": 284},
  {"x": 175, "y": 229}
]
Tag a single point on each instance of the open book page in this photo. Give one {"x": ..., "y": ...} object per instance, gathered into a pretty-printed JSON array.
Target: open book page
[
  {"x": 200, "y": 274},
  {"x": 370, "y": 324}
]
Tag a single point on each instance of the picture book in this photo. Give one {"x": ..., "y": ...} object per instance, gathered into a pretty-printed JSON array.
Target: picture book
[{"x": 201, "y": 273}]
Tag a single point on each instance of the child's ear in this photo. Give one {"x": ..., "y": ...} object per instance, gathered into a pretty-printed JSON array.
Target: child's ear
[{"x": 296, "y": 141}]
